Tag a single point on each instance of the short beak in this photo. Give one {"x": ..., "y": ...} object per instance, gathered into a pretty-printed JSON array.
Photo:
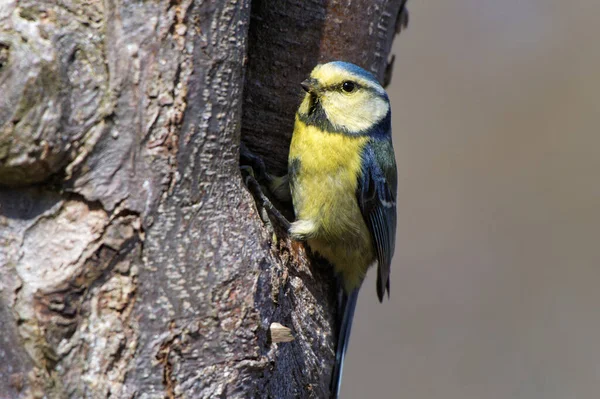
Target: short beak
[{"x": 309, "y": 85}]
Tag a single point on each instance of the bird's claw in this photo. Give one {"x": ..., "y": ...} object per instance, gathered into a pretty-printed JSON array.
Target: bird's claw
[
  {"x": 254, "y": 171},
  {"x": 253, "y": 164}
]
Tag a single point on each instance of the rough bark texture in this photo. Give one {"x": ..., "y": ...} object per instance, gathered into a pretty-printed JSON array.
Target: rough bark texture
[{"x": 133, "y": 261}]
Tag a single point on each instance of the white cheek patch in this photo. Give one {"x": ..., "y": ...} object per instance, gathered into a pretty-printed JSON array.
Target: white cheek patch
[{"x": 354, "y": 112}]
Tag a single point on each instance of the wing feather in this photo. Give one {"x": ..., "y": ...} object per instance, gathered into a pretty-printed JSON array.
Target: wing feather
[{"x": 377, "y": 200}]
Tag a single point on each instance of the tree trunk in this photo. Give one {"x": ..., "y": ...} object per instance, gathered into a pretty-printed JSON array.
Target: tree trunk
[{"x": 133, "y": 261}]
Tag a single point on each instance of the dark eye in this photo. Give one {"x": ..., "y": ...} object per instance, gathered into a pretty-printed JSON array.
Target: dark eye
[{"x": 348, "y": 86}]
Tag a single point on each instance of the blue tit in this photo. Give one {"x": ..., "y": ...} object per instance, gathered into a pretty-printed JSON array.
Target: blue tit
[{"x": 343, "y": 179}]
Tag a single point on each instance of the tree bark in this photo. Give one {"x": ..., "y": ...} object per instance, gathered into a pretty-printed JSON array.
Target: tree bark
[{"x": 133, "y": 260}]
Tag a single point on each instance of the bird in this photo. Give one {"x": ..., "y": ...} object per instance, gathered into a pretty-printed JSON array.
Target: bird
[{"x": 343, "y": 182}]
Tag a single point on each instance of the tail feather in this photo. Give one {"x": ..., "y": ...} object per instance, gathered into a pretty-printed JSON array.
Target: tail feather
[{"x": 345, "y": 316}]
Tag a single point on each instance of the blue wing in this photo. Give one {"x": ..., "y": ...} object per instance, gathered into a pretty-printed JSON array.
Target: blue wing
[{"x": 376, "y": 196}]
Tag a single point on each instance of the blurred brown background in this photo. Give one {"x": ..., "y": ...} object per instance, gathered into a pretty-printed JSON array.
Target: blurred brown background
[{"x": 496, "y": 280}]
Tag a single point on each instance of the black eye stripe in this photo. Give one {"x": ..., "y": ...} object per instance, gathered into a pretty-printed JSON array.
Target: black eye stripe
[{"x": 338, "y": 87}]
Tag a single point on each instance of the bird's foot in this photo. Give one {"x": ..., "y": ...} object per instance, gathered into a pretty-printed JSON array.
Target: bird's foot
[
  {"x": 254, "y": 173},
  {"x": 254, "y": 165}
]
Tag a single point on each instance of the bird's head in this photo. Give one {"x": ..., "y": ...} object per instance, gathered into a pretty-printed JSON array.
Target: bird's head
[{"x": 343, "y": 97}]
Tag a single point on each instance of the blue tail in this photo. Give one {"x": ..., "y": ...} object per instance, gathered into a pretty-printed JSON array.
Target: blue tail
[{"x": 345, "y": 316}]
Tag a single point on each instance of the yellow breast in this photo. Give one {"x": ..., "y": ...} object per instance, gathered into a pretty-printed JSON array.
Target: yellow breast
[
  {"x": 325, "y": 185},
  {"x": 324, "y": 194}
]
